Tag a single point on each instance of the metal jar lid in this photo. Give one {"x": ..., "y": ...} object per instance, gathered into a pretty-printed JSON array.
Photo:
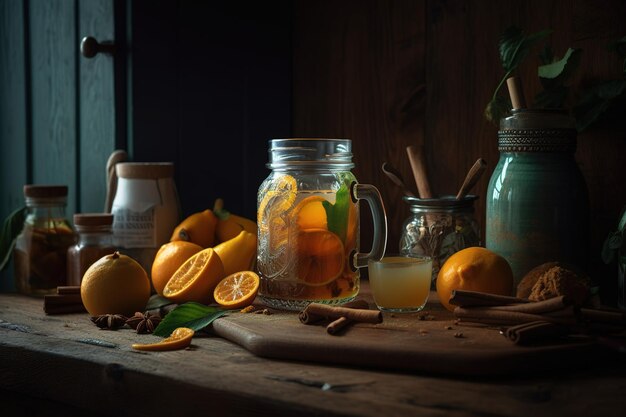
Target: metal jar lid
[
  {"x": 45, "y": 191},
  {"x": 93, "y": 219},
  {"x": 447, "y": 203}
]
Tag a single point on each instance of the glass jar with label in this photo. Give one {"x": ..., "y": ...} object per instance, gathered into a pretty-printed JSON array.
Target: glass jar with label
[
  {"x": 95, "y": 240},
  {"x": 308, "y": 224},
  {"x": 146, "y": 209},
  {"x": 438, "y": 228},
  {"x": 40, "y": 253}
]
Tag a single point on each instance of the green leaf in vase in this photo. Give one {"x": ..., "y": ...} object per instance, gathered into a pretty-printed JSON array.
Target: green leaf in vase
[
  {"x": 195, "y": 316},
  {"x": 337, "y": 214}
]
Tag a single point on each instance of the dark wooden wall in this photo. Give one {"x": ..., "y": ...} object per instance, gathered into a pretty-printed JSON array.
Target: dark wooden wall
[{"x": 391, "y": 73}]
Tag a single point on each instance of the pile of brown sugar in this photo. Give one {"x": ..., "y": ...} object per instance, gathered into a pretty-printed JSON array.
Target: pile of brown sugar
[{"x": 553, "y": 279}]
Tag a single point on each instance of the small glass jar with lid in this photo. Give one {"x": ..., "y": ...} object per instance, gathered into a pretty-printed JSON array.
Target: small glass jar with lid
[
  {"x": 95, "y": 240},
  {"x": 40, "y": 253},
  {"x": 438, "y": 228}
]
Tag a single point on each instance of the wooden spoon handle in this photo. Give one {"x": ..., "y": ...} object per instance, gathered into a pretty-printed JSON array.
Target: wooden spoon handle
[
  {"x": 472, "y": 177},
  {"x": 418, "y": 165},
  {"x": 116, "y": 157}
]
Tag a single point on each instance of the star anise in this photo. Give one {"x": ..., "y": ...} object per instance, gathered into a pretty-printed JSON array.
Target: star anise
[
  {"x": 109, "y": 321},
  {"x": 144, "y": 323}
]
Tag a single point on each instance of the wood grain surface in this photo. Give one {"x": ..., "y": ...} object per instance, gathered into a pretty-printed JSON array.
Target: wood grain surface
[
  {"x": 66, "y": 359},
  {"x": 388, "y": 74}
]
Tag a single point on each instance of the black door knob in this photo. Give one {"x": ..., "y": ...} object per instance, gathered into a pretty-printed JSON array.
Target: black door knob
[{"x": 90, "y": 47}]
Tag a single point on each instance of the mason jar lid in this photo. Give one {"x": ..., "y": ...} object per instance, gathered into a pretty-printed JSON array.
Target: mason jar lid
[
  {"x": 93, "y": 219},
  {"x": 316, "y": 153},
  {"x": 144, "y": 170},
  {"x": 45, "y": 191},
  {"x": 443, "y": 203}
]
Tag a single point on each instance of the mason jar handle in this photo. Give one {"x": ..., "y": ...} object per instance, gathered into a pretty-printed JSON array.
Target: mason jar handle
[{"x": 370, "y": 194}]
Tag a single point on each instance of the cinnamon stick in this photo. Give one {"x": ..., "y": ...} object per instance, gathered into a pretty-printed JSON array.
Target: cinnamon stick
[
  {"x": 474, "y": 298},
  {"x": 69, "y": 289},
  {"x": 539, "y": 307},
  {"x": 315, "y": 310},
  {"x": 527, "y": 333},
  {"x": 64, "y": 308},
  {"x": 62, "y": 299},
  {"x": 418, "y": 165},
  {"x": 494, "y": 316},
  {"x": 307, "y": 317},
  {"x": 336, "y": 326}
]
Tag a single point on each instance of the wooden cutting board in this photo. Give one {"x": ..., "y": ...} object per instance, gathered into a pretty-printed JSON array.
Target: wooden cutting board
[{"x": 404, "y": 342}]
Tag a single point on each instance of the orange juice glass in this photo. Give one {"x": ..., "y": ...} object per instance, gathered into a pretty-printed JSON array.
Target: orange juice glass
[{"x": 400, "y": 284}]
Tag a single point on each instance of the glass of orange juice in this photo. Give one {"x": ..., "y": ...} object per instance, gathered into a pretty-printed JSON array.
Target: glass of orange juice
[{"x": 400, "y": 283}]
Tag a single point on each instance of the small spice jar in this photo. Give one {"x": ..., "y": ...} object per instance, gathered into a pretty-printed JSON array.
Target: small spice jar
[
  {"x": 40, "y": 252},
  {"x": 438, "y": 228},
  {"x": 95, "y": 240}
]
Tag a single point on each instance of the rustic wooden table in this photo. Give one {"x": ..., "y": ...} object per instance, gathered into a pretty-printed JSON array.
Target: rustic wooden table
[{"x": 64, "y": 365}]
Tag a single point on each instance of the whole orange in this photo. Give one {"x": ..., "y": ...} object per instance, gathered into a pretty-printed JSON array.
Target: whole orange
[
  {"x": 474, "y": 269},
  {"x": 115, "y": 284},
  {"x": 168, "y": 259}
]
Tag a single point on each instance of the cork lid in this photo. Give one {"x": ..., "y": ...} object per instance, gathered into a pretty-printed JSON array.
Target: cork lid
[
  {"x": 145, "y": 170},
  {"x": 45, "y": 191},
  {"x": 93, "y": 219}
]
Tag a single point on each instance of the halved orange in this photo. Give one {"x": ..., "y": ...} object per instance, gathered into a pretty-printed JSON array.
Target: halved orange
[
  {"x": 310, "y": 213},
  {"x": 195, "y": 279},
  {"x": 237, "y": 290},
  {"x": 320, "y": 256},
  {"x": 179, "y": 339}
]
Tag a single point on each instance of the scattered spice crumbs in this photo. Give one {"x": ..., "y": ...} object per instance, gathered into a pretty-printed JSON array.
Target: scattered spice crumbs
[
  {"x": 248, "y": 309},
  {"x": 448, "y": 327},
  {"x": 459, "y": 335},
  {"x": 264, "y": 311}
]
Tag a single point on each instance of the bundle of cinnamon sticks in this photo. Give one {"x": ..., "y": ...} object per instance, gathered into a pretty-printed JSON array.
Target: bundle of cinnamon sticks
[
  {"x": 66, "y": 300},
  {"x": 530, "y": 321},
  {"x": 340, "y": 317}
]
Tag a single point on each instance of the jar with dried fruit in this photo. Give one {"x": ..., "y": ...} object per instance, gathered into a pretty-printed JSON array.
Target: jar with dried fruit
[
  {"x": 95, "y": 240},
  {"x": 40, "y": 252}
]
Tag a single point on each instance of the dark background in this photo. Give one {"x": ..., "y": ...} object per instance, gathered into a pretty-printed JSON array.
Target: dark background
[{"x": 207, "y": 84}]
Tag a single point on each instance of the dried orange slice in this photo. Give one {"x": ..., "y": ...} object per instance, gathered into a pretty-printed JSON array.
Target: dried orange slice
[
  {"x": 237, "y": 290},
  {"x": 179, "y": 339},
  {"x": 272, "y": 218},
  {"x": 196, "y": 278},
  {"x": 320, "y": 256},
  {"x": 277, "y": 199}
]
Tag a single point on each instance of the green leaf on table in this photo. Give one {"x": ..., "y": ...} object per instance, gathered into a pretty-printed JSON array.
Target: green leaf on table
[
  {"x": 157, "y": 301},
  {"x": 337, "y": 214},
  {"x": 11, "y": 228},
  {"x": 195, "y": 316}
]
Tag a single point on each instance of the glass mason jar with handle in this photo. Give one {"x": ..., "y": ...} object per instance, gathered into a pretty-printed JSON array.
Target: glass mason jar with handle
[{"x": 308, "y": 224}]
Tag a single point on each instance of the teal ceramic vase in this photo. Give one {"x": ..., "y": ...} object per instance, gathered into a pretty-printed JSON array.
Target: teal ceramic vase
[{"x": 537, "y": 200}]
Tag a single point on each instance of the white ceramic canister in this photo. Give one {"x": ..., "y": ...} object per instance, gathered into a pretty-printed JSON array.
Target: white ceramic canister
[{"x": 146, "y": 209}]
